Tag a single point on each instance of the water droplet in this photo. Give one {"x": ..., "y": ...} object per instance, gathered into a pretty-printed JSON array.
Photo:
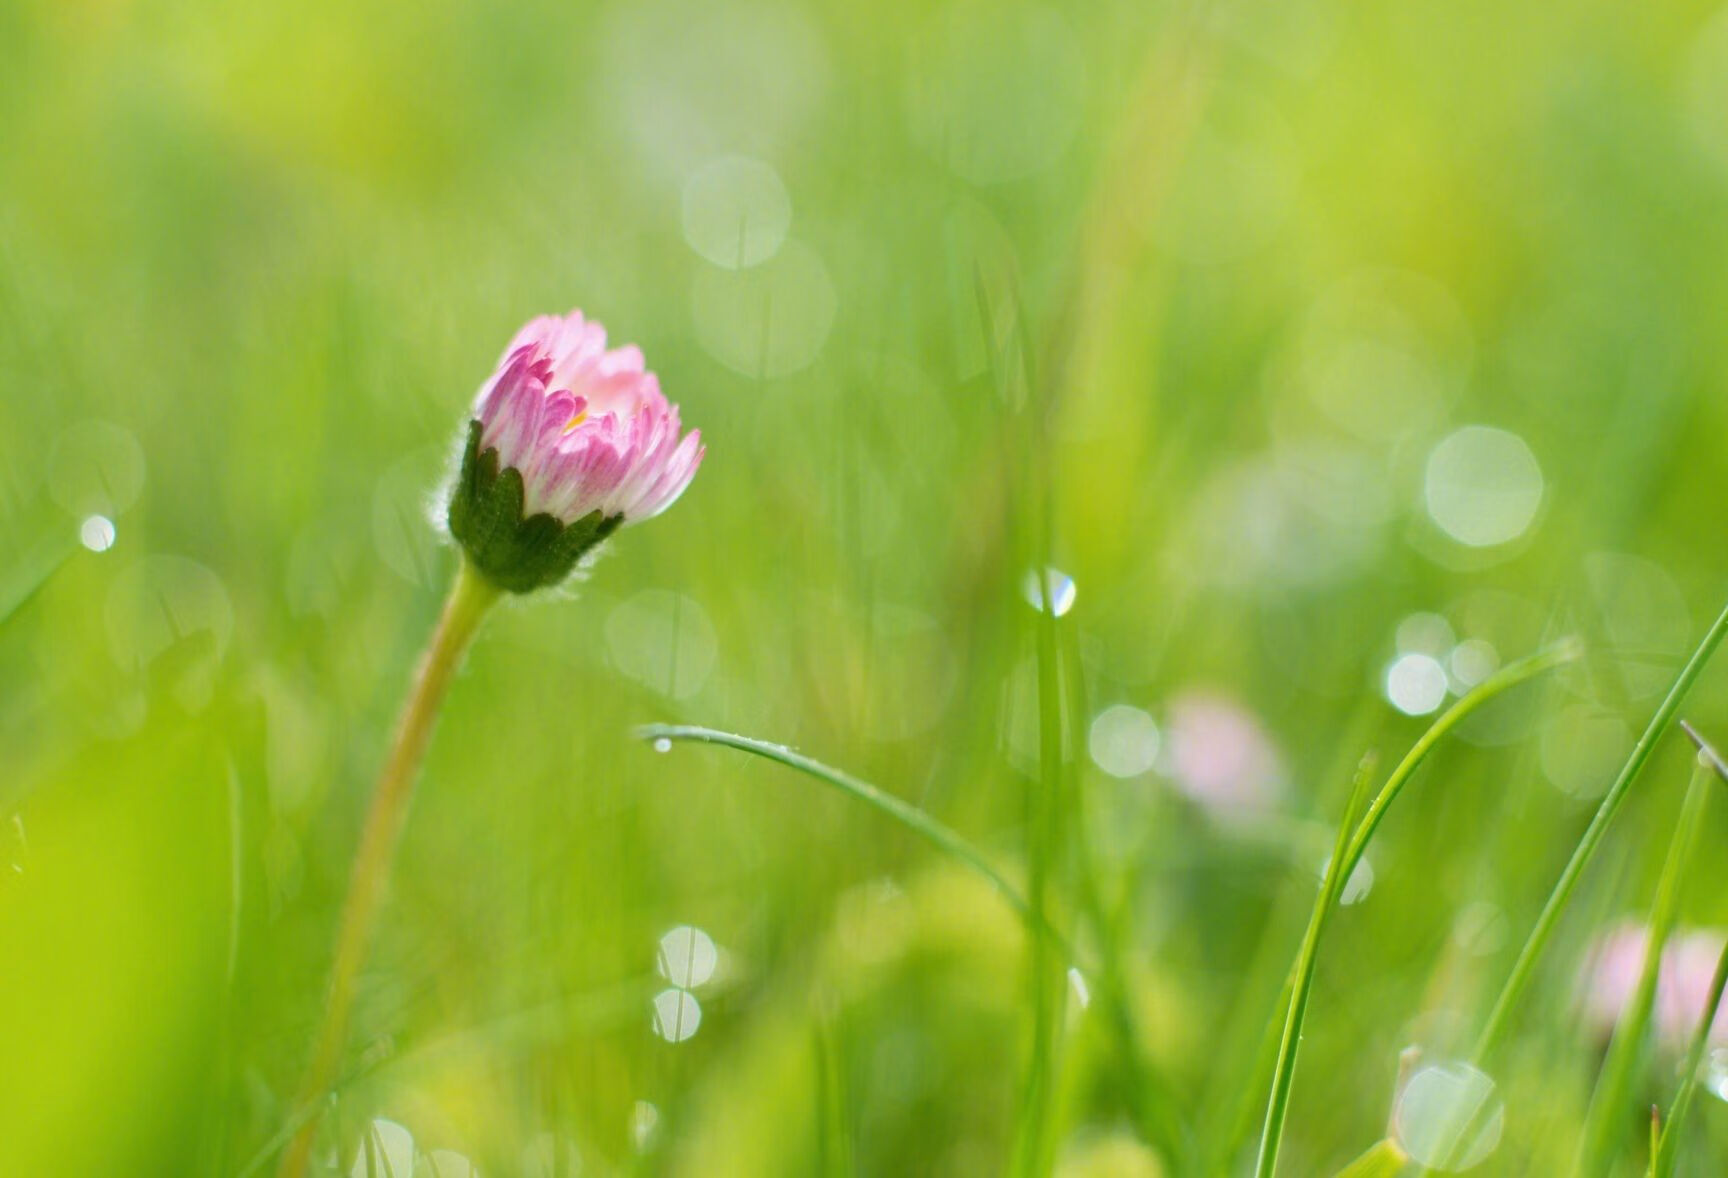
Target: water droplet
[
  {"x": 644, "y": 1119},
  {"x": 1449, "y": 1117},
  {"x": 1357, "y": 887},
  {"x": 1416, "y": 684},
  {"x": 1715, "y": 1076},
  {"x": 96, "y": 533},
  {"x": 1058, "y": 587},
  {"x": 1124, "y": 741},
  {"x": 1077, "y": 983},
  {"x": 662, "y": 744},
  {"x": 1483, "y": 486},
  {"x": 386, "y": 1148},
  {"x": 677, "y": 1014},
  {"x": 687, "y": 956},
  {"x": 736, "y": 212}
]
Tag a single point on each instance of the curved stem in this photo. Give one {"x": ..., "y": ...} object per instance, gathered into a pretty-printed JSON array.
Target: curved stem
[
  {"x": 1344, "y": 863},
  {"x": 904, "y": 812},
  {"x": 470, "y": 597}
]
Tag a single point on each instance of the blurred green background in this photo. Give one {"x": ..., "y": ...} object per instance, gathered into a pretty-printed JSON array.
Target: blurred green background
[{"x": 1329, "y": 353}]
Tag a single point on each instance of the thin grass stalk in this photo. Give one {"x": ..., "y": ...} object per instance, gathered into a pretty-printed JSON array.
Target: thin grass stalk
[
  {"x": 1331, "y": 887},
  {"x": 1668, "y": 1146},
  {"x": 1603, "y": 1122},
  {"x": 942, "y": 837},
  {"x": 1345, "y": 862},
  {"x": 1665, "y": 1151},
  {"x": 1524, "y": 968}
]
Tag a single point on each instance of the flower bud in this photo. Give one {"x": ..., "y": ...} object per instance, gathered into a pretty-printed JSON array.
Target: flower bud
[{"x": 568, "y": 443}]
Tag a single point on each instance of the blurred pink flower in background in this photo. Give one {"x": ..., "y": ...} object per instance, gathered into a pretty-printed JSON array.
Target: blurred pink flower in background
[
  {"x": 1220, "y": 756},
  {"x": 588, "y": 428},
  {"x": 1610, "y": 977}
]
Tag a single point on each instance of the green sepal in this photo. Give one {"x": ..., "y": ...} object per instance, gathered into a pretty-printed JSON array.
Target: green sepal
[{"x": 514, "y": 553}]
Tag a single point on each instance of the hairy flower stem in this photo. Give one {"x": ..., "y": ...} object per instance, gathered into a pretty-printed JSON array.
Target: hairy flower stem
[{"x": 470, "y": 597}]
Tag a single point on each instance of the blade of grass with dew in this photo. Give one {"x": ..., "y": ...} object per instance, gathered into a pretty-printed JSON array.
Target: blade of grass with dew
[
  {"x": 1523, "y": 969},
  {"x": 1343, "y": 864},
  {"x": 1331, "y": 887},
  {"x": 1664, "y": 1156},
  {"x": 903, "y": 812},
  {"x": 1607, "y": 1106},
  {"x": 1235, "y": 1098},
  {"x": 1035, "y": 1145}
]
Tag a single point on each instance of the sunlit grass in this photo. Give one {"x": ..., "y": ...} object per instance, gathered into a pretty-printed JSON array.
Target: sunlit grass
[{"x": 1121, "y": 419}]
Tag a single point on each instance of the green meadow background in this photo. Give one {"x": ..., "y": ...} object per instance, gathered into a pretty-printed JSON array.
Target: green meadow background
[{"x": 1187, "y": 301}]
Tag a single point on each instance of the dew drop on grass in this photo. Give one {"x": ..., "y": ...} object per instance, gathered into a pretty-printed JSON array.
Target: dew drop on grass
[
  {"x": 1449, "y": 1117},
  {"x": 687, "y": 956},
  {"x": 96, "y": 533},
  {"x": 662, "y": 744},
  {"x": 1077, "y": 983},
  {"x": 677, "y": 1014},
  {"x": 1715, "y": 1077},
  {"x": 1357, "y": 887},
  {"x": 1058, "y": 588}
]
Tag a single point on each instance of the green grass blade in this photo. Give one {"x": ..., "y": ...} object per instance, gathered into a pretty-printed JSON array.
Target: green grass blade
[
  {"x": 1345, "y": 861},
  {"x": 1666, "y": 1152},
  {"x": 1524, "y": 968},
  {"x": 1284, "y": 1071},
  {"x": 1607, "y": 1105},
  {"x": 903, "y": 812}
]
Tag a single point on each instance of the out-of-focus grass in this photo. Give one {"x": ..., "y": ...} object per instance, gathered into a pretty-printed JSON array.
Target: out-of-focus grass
[{"x": 1210, "y": 283}]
